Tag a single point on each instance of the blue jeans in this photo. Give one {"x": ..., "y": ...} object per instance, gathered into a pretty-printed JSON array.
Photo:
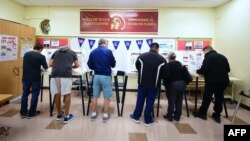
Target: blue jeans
[
  {"x": 35, "y": 90},
  {"x": 148, "y": 94}
]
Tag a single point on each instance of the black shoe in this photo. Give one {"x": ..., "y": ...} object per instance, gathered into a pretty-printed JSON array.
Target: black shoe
[
  {"x": 201, "y": 116},
  {"x": 168, "y": 118},
  {"x": 32, "y": 115},
  {"x": 216, "y": 118}
]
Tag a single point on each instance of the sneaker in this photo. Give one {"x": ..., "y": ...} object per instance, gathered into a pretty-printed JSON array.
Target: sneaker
[
  {"x": 94, "y": 115},
  {"x": 133, "y": 119},
  {"x": 105, "y": 117},
  {"x": 68, "y": 118},
  {"x": 149, "y": 124},
  {"x": 23, "y": 115},
  {"x": 29, "y": 116},
  {"x": 175, "y": 121},
  {"x": 60, "y": 116}
]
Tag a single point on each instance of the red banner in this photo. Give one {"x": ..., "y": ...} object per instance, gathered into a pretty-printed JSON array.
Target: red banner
[{"x": 119, "y": 21}]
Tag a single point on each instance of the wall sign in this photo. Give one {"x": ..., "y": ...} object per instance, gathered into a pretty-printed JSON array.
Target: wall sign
[{"x": 119, "y": 21}]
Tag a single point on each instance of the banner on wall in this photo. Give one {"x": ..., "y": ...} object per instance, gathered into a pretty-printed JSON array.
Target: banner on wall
[
  {"x": 119, "y": 21},
  {"x": 8, "y": 47}
]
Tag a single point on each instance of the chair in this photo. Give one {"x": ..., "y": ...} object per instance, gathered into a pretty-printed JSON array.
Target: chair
[
  {"x": 89, "y": 83},
  {"x": 120, "y": 84}
]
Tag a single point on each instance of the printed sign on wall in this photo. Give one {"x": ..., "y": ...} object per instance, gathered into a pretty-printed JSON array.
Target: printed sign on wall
[{"x": 119, "y": 21}]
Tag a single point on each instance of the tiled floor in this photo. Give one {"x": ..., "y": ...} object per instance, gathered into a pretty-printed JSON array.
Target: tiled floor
[{"x": 81, "y": 128}]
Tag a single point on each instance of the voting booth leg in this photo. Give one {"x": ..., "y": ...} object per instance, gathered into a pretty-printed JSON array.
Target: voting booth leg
[
  {"x": 81, "y": 89},
  {"x": 185, "y": 97}
]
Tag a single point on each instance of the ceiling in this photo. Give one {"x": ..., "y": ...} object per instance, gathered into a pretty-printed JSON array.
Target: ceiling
[{"x": 125, "y": 3}]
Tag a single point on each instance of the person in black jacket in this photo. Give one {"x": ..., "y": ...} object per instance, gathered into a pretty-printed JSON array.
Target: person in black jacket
[
  {"x": 215, "y": 68},
  {"x": 175, "y": 87},
  {"x": 32, "y": 62},
  {"x": 150, "y": 67}
]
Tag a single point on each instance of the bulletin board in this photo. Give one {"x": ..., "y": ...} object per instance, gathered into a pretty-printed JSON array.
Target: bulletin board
[
  {"x": 126, "y": 50},
  {"x": 189, "y": 52}
]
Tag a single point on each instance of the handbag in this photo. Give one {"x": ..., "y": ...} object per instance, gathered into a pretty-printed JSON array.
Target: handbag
[{"x": 186, "y": 75}]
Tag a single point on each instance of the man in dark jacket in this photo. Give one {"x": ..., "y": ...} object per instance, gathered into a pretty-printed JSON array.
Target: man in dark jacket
[
  {"x": 150, "y": 67},
  {"x": 215, "y": 69},
  {"x": 32, "y": 62}
]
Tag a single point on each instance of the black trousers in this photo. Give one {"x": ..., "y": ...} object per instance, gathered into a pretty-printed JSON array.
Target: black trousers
[{"x": 217, "y": 89}]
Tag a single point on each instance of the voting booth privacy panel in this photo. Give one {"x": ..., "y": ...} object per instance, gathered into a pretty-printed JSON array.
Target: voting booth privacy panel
[
  {"x": 126, "y": 50},
  {"x": 15, "y": 39}
]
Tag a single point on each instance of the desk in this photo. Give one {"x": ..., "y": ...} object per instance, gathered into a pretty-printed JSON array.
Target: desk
[{"x": 76, "y": 73}]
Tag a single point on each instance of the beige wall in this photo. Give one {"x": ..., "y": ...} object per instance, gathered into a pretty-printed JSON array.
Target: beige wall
[
  {"x": 232, "y": 32},
  {"x": 173, "y": 22},
  {"x": 11, "y": 11}
]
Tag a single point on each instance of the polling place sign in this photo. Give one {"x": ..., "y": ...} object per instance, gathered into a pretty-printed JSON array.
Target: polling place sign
[{"x": 122, "y": 21}]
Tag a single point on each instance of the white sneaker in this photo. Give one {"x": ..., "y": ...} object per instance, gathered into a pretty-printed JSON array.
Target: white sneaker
[
  {"x": 149, "y": 124},
  {"x": 106, "y": 117},
  {"x": 94, "y": 115}
]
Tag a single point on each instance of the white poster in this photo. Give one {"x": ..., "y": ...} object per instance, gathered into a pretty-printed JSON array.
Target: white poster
[
  {"x": 26, "y": 46},
  {"x": 54, "y": 43},
  {"x": 9, "y": 47}
]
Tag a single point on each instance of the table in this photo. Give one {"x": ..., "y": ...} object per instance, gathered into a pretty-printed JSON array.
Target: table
[
  {"x": 232, "y": 80},
  {"x": 76, "y": 73}
]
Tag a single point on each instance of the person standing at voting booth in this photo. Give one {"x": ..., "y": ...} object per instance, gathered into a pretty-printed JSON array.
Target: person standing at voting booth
[
  {"x": 32, "y": 62},
  {"x": 215, "y": 68},
  {"x": 175, "y": 87},
  {"x": 150, "y": 67},
  {"x": 101, "y": 60},
  {"x": 62, "y": 62}
]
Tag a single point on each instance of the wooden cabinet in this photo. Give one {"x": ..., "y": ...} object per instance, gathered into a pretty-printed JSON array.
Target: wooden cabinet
[{"x": 11, "y": 71}]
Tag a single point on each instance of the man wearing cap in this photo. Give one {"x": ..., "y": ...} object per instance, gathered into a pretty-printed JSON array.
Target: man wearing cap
[
  {"x": 150, "y": 68},
  {"x": 215, "y": 68}
]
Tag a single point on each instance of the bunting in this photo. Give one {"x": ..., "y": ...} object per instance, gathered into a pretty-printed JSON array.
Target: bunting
[
  {"x": 80, "y": 41},
  {"x": 149, "y": 41},
  {"x": 139, "y": 43},
  {"x": 116, "y": 44},
  {"x": 91, "y": 43},
  {"x": 127, "y": 44}
]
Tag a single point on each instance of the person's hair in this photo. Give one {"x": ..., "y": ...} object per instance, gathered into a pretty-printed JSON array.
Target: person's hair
[
  {"x": 154, "y": 46},
  {"x": 102, "y": 41},
  {"x": 209, "y": 48},
  {"x": 171, "y": 56},
  {"x": 38, "y": 46}
]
